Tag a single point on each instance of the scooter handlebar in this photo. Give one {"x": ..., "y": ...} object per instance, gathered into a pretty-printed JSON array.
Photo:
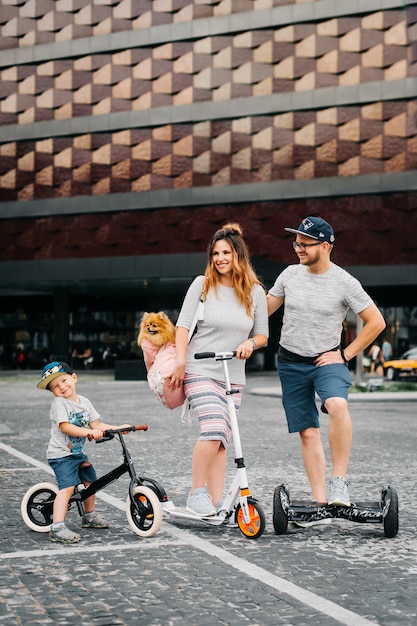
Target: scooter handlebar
[
  {"x": 205, "y": 355},
  {"x": 219, "y": 356}
]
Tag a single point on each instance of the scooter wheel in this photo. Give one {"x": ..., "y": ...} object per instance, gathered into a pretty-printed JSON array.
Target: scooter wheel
[
  {"x": 144, "y": 514},
  {"x": 37, "y": 506},
  {"x": 279, "y": 515},
  {"x": 390, "y": 511},
  {"x": 256, "y": 525}
]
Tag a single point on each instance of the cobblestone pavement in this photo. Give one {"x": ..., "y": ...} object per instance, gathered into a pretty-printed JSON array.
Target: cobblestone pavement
[{"x": 344, "y": 573}]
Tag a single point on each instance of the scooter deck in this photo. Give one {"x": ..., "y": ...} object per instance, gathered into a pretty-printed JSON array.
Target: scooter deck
[
  {"x": 182, "y": 513},
  {"x": 309, "y": 504},
  {"x": 364, "y": 512}
]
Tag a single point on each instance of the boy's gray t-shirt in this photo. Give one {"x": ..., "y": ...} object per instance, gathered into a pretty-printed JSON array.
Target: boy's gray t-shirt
[
  {"x": 316, "y": 306},
  {"x": 224, "y": 327},
  {"x": 78, "y": 413}
]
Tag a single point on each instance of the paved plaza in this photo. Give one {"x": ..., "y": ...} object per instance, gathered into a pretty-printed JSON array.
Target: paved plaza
[{"x": 344, "y": 573}]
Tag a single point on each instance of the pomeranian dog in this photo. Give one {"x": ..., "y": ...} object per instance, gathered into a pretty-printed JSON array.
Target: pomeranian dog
[
  {"x": 156, "y": 338},
  {"x": 156, "y": 330}
]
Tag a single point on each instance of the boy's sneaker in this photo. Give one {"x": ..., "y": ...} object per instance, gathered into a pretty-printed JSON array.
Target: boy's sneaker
[
  {"x": 339, "y": 494},
  {"x": 62, "y": 534},
  {"x": 200, "y": 503},
  {"x": 94, "y": 521},
  {"x": 316, "y": 522}
]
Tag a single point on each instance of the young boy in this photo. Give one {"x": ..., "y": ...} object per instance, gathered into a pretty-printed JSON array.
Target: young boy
[{"x": 74, "y": 419}]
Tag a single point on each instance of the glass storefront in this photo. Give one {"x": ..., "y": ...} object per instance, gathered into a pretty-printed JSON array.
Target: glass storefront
[{"x": 26, "y": 338}]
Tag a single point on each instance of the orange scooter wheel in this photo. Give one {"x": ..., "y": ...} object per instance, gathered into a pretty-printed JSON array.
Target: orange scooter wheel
[{"x": 256, "y": 525}]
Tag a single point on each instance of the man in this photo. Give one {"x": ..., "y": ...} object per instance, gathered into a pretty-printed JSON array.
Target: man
[
  {"x": 387, "y": 349},
  {"x": 317, "y": 295}
]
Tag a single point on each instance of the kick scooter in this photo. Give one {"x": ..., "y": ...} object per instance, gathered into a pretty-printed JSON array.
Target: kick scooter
[
  {"x": 383, "y": 511},
  {"x": 239, "y": 507},
  {"x": 143, "y": 503}
]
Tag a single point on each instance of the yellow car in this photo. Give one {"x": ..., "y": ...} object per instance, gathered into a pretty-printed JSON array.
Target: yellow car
[{"x": 404, "y": 367}]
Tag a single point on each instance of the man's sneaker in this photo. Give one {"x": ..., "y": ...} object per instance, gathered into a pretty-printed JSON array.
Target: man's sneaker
[
  {"x": 339, "y": 494},
  {"x": 200, "y": 503},
  {"x": 94, "y": 521},
  {"x": 317, "y": 522},
  {"x": 62, "y": 534}
]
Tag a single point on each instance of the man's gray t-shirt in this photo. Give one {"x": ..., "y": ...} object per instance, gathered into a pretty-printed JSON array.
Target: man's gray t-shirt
[
  {"x": 225, "y": 326},
  {"x": 316, "y": 306},
  {"x": 78, "y": 413}
]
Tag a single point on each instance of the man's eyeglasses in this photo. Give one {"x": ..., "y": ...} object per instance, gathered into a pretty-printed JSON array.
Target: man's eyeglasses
[{"x": 303, "y": 246}]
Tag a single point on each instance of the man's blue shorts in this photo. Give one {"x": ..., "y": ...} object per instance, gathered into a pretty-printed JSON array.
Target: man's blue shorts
[
  {"x": 301, "y": 381},
  {"x": 68, "y": 473}
]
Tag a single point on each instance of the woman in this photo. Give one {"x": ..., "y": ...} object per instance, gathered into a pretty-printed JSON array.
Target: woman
[{"x": 235, "y": 318}]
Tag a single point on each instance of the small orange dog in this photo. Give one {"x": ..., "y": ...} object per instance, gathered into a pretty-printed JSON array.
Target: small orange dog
[
  {"x": 157, "y": 328},
  {"x": 157, "y": 340}
]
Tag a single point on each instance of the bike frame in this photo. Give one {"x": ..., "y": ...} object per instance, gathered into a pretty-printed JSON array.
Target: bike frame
[{"x": 82, "y": 493}]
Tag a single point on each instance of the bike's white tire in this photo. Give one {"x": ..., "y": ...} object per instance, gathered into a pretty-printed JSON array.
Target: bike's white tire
[
  {"x": 27, "y": 505},
  {"x": 149, "y": 525}
]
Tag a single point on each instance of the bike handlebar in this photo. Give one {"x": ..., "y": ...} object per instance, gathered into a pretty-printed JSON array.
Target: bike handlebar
[
  {"x": 126, "y": 430},
  {"x": 109, "y": 433}
]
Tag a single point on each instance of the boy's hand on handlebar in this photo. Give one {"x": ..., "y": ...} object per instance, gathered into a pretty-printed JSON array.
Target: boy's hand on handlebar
[
  {"x": 128, "y": 428},
  {"x": 95, "y": 433}
]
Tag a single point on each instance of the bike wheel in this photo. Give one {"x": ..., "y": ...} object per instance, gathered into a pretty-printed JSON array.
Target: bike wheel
[
  {"x": 37, "y": 506},
  {"x": 390, "y": 511},
  {"x": 279, "y": 516},
  {"x": 256, "y": 525},
  {"x": 144, "y": 514}
]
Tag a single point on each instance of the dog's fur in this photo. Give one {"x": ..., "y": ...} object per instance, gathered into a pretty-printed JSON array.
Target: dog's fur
[{"x": 157, "y": 328}]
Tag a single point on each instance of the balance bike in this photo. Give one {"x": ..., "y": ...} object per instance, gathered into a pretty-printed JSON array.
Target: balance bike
[
  {"x": 383, "y": 511},
  {"x": 239, "y": 507},
  {"x": 143, "y": 503}
]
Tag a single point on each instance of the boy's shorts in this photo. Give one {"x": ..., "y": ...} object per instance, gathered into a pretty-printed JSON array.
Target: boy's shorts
[
  {"x": 68, "y": 473},
  {"x": 300, "y": 383}
]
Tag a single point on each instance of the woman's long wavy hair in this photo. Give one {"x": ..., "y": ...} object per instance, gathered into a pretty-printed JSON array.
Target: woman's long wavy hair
[{"x": 243, "y": 275}]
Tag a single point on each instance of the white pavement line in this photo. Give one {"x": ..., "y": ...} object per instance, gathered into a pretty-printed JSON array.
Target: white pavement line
[
  {"x": 143, "y": 544},
  {"x": 17, "y": 469},
  {"x": 25, "y": 457},
  {"x": 331, "y": 609}
]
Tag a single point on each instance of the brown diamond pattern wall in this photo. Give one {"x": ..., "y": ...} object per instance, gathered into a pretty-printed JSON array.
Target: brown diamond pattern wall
[
  {"x": 344, "y": 141},
  {"x": 338, "y": 52}
]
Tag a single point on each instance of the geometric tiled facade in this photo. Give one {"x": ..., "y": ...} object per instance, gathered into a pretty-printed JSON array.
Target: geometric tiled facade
[
  {"x": 182, "y": 54},
  {"x": 337, "y": 52},
  {"x": 46, "y": 21},
  {"x": 345, "y": 141}
]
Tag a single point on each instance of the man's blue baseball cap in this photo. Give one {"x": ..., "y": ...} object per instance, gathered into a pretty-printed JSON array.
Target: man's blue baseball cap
[{"x": 316, "y": 228}]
